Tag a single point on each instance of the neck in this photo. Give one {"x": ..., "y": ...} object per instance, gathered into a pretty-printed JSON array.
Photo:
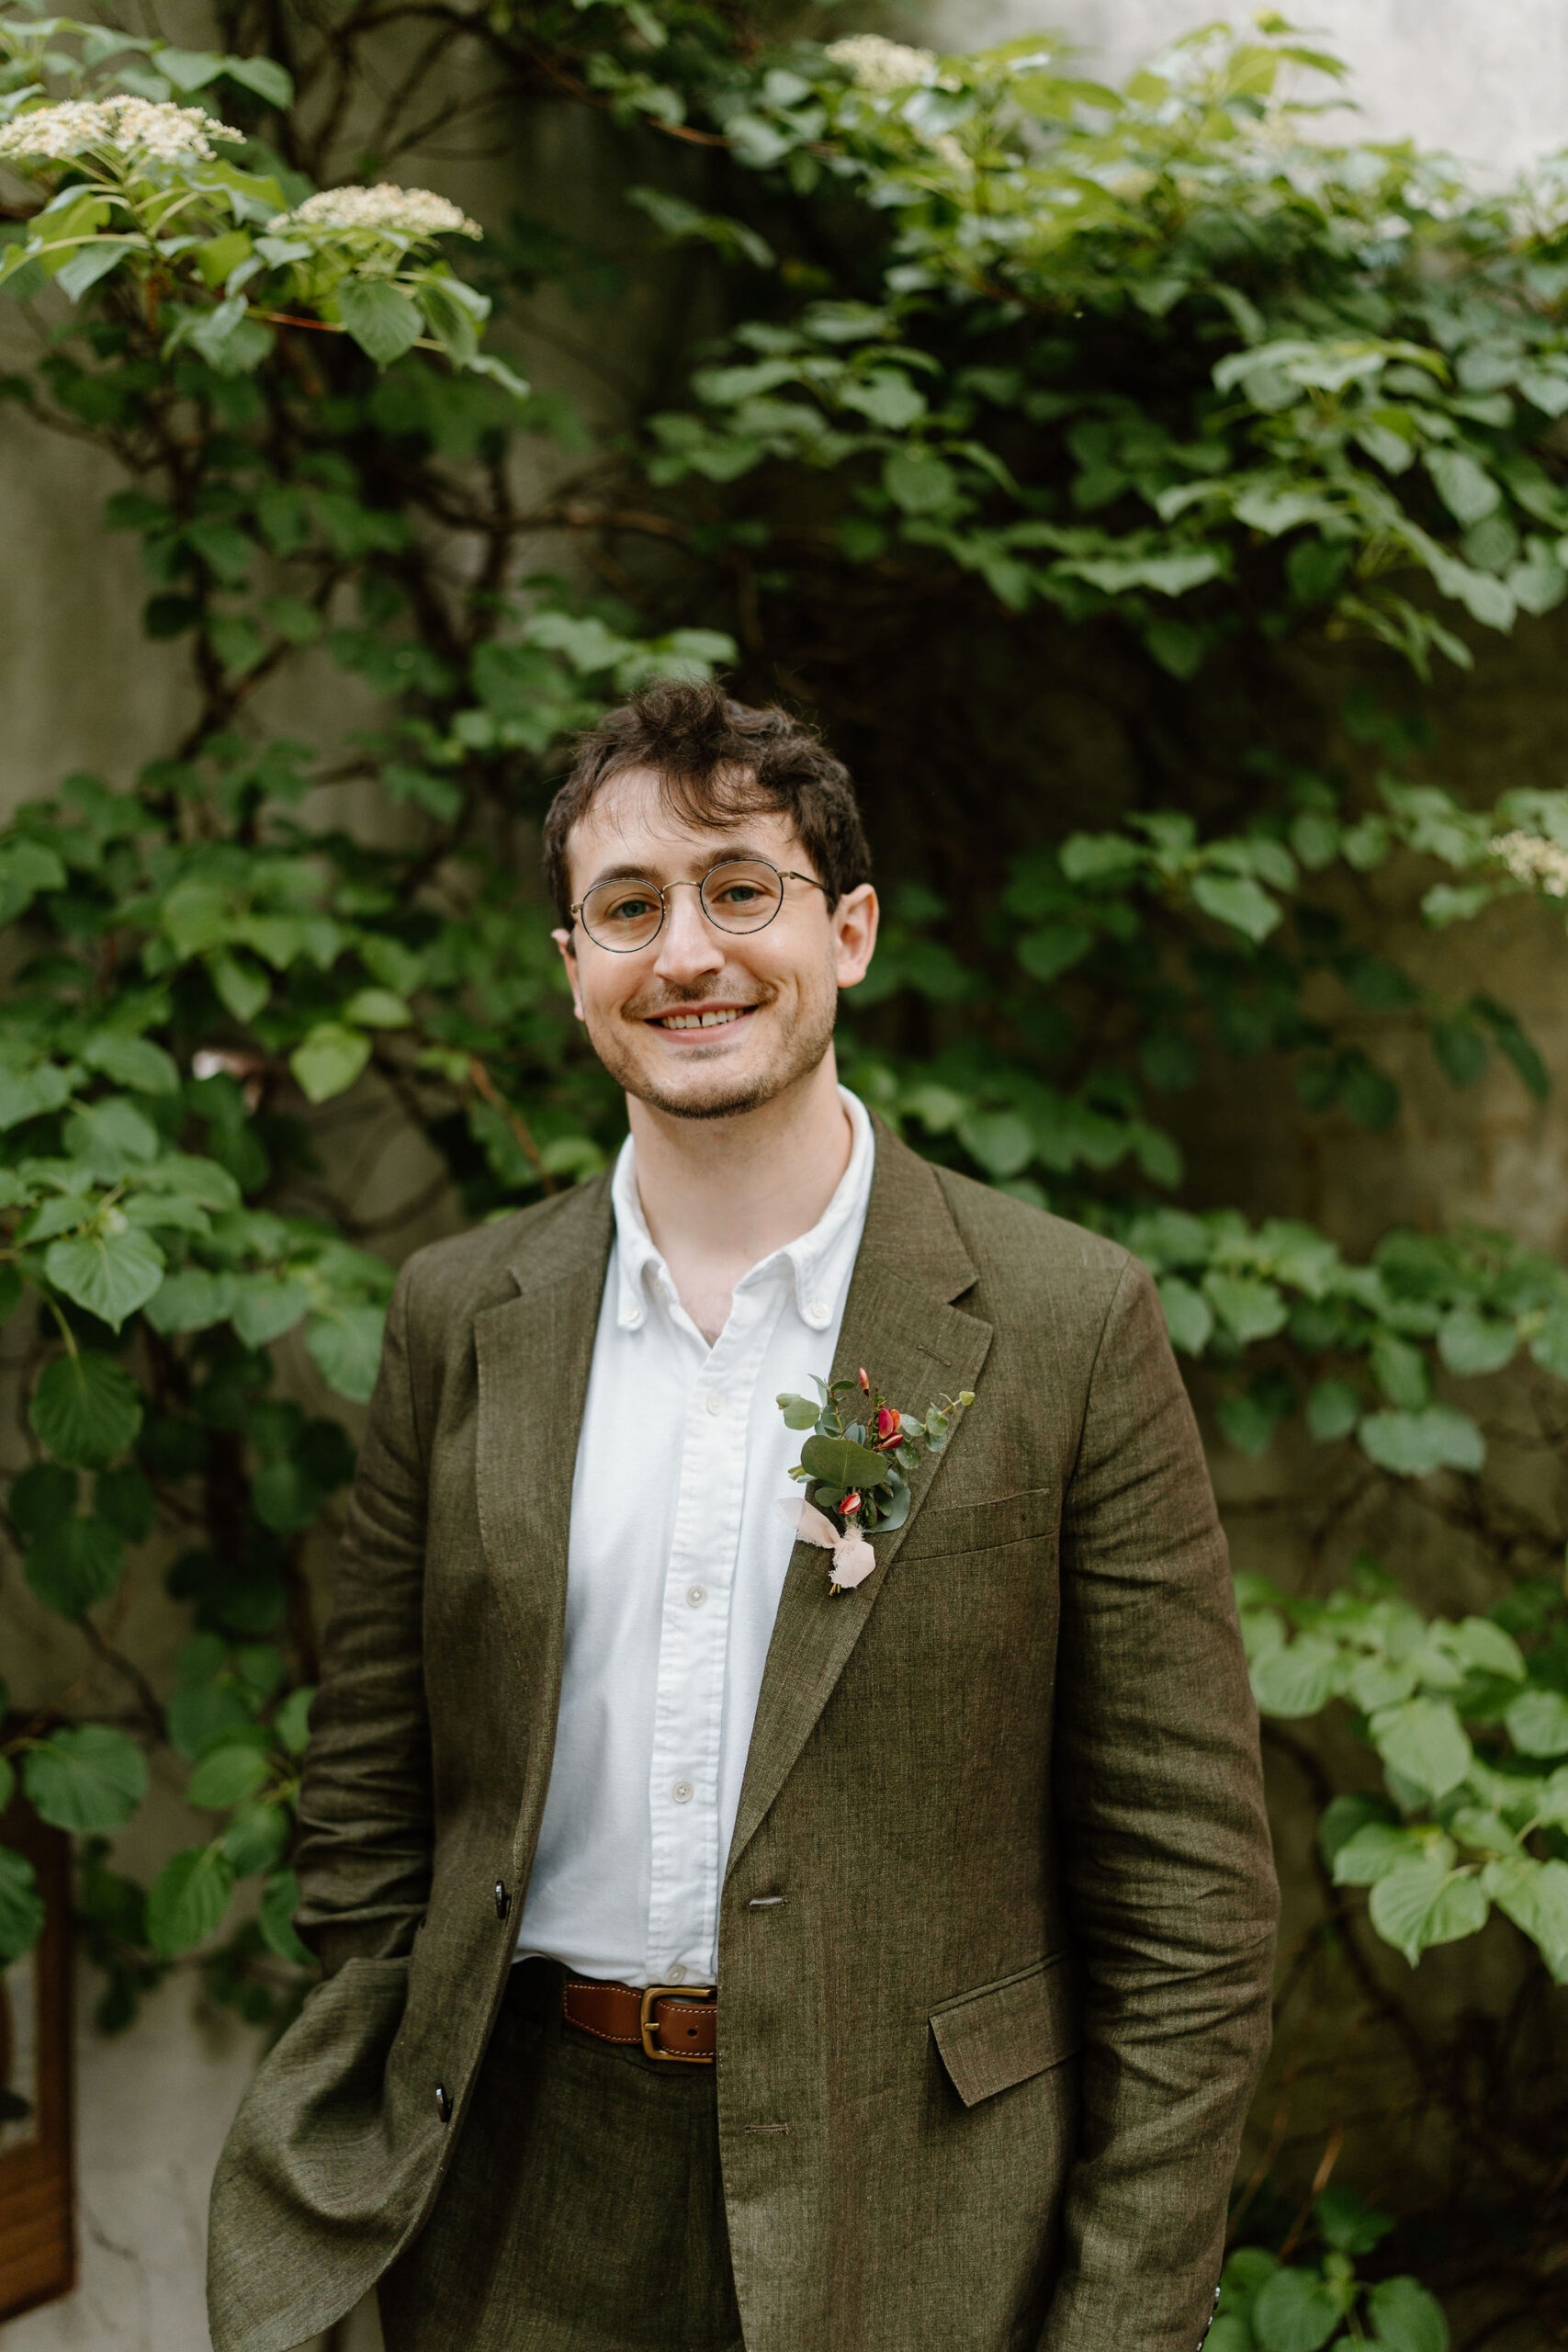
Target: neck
[{"x": 720, "y": 1194}]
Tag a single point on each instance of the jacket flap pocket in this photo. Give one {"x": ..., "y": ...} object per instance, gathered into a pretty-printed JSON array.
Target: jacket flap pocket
[
  {"x": 1002, "y": 2033},
  {"x": 943, "y": 1530}
]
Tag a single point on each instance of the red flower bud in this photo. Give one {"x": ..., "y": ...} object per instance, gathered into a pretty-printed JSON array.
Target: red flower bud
[
  {"x": 850, "y": 1505},
  {"x": 887, "y": 1424},
  {"x": 864, "y": 1381}
]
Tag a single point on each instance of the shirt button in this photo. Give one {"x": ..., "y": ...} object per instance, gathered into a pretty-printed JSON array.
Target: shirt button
[
  {"x": 631, "y": 1316},
  {"x": 683, "y": 1791},
  {"x": 818, "y": 1311},
  {"x": 716, "y": 1402},
  {"x": 677, "y": 1973},
  {"x": 695, "y": 1595}
]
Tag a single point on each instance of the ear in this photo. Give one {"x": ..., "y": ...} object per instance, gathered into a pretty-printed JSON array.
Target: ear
[
  {"x": 565, "y": 941},
  {"x": 855, "y": 922}
]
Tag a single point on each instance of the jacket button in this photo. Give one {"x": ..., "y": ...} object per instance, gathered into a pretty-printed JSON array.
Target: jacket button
[
  {"x": 503, "y": 1901},
  {"x": 443, "y": 2104}
]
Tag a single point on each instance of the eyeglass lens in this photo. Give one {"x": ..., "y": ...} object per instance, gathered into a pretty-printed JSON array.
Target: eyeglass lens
[{"x": 625, "y": 915}]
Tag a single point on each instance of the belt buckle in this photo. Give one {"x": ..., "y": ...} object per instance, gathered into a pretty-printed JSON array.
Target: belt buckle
[{"x": 648, "y": 2025}]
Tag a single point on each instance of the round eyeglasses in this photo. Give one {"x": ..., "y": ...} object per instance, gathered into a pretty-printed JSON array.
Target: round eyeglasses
[{"x": 743, "y": 895}]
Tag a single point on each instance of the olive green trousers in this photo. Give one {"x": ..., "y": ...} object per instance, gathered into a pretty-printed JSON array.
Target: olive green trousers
[{"x": 583, "y": 2210}]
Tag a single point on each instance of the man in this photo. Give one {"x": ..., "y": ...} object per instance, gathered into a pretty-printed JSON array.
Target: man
[{"x": 974, "y": 1854}]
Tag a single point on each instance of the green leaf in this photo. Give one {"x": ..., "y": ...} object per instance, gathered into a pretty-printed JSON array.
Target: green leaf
[
  {"x": 1423, "y": 1903},
  {"x": 21, "y": 1906},
  {"x": 377, "y": 1009},
  {"x": 1298, "y": 1680},
  {"x": 1046, "y": 954},
  {"x": 74, "y": 1565},
  {"x": 1378, "y": 1847},
  {"x": 840, "y": 1462},
  {"x": 329, "y": 1060},
  {"x": 1238, "y": 902},
  {"x": 383, "y": 322},
  {"x": 1000, "y": 1140},
  {"x": 285, "y": 1496},
  {"x": 85, "y": 1409},
  {"x": 1412, "y": 1445},
  {"x": 266, "y": 1309},
  {"x": 1333, "y": 1408},
  {"x": 1537, "y": 1722},
  {"x": 1249, "y": 1309},
  {"x": 1188, "y": 1315},
  {"x": 87, "y": 1778},
  {"x": 188, "y": 1898},
  {"x": 135, "y": 1062},
  {"x": 255, "y": 1837},
  {"x": 1471, "y": 1343},
  {"x": 1535, "y": 1896},
  {"x": 292, "y": 1721},
  {"x": 917, "y": 482},
  {"x": 1348, "y": 2223},
  {"x": 1400, "y": 1371},
  {"x": 1423, "y": 1740},
  {"x": 40, "y": 1495},
  {"x": 799, "y": 1412},
  {"x": 1405, "y": 2318},
  {"x": 269, "y": 80},
  {"x": 242, "y": 987},
  {"x": 228, "y": 1774},
  {"x": 192, "y": 1300},
  {"x": 125, "y": 1499},
  {"x": 1293, "y": 2311},
  {"x": 280, "y": 1900},
  {"x": 345, "y": 1347},
  {"x": 27, "y": 1094},
  {"x": 1465, "y": 488},
  {"x": 1344, "y": 1816},
  {"x": 109, "y": 1273}
]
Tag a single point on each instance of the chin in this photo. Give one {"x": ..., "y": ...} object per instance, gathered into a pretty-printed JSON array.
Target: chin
[{"x": 707, "y": 1098}]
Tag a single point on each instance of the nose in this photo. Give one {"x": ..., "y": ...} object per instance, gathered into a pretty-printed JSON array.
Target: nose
[{"x": 689, "y": 946}]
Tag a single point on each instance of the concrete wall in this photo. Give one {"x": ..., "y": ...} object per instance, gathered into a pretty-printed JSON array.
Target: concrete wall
[{"x": 1488, "y": 78}]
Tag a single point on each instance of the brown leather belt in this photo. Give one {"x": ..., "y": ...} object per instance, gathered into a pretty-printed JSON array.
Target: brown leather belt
[{"x": 677, "y": 2021}]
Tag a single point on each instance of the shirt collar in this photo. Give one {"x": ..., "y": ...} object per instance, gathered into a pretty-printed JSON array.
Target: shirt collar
[{"x": 819, "y": 1264}]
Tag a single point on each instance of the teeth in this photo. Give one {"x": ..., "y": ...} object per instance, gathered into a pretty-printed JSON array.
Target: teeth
[{"x": 696, "y": 1020}]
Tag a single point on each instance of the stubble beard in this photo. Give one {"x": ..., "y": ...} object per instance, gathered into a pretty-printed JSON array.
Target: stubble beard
[{"x": 802, "y": 1051}]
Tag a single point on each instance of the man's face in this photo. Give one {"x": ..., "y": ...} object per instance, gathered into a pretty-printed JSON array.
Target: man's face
[{"x": 775, "y": 990}]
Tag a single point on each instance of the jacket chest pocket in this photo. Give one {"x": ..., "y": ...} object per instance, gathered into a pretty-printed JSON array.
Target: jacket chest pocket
[
  {"x": 945, "y": 1531},
  {"x": 1004, "y": 2032}
]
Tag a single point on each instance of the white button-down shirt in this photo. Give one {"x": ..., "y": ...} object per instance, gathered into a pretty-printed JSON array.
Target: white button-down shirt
[{"x": 677, "y": 1560}]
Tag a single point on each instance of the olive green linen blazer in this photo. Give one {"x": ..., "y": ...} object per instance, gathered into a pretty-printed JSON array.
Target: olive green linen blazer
[{"x": 983, "y": 2073}]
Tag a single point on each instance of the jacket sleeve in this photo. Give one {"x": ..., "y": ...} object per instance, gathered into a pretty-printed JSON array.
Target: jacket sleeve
[
  {"x": 1170, "y": 1876},
  {"x": 364, "y": 1857}
]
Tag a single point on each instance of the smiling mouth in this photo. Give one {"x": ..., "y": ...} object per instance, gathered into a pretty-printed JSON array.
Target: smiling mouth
[{"x": 701, "y": 1017}]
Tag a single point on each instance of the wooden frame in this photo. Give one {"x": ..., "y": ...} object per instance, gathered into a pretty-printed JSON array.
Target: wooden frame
[{"x": 38, "y": 2235}]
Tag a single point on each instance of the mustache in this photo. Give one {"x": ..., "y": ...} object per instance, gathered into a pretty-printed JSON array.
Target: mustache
[{"x": 651, "y": 1008}]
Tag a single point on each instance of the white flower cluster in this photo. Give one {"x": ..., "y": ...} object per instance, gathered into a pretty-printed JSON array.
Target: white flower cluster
[
  {"x": 409, "y": 214},
  {"x": 141, "y": 128},
  {"x": 1530, "y": 859},
  {"x": 881, "y": 66}
]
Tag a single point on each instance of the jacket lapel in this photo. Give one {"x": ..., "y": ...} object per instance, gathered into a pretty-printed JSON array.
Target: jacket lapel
[
  {"x": 535, "y": 1353},
  {"x": 901, "y": 1324}
]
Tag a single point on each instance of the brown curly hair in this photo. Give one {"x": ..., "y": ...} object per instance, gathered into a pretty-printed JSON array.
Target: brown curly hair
[{"x": 716, "y": 760}]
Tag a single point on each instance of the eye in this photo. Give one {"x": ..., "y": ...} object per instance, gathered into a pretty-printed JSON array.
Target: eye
[
  {"x": 739, "y": 894},
  {"x": 627, "y": 908}
]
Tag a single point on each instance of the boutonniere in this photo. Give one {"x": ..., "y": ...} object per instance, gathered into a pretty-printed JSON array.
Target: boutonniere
[{"x": 857, "y": 1470}]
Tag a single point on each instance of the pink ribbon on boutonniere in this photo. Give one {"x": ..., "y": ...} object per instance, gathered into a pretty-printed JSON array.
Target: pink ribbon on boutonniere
[{"x": 854, "y": 1558}]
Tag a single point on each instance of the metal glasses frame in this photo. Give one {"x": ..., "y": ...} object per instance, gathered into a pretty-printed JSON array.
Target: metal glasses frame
[{"x": 784, "y": 874}]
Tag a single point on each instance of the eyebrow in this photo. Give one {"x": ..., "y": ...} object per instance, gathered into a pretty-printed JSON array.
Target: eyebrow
[{"x": 738, "y": 855}]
